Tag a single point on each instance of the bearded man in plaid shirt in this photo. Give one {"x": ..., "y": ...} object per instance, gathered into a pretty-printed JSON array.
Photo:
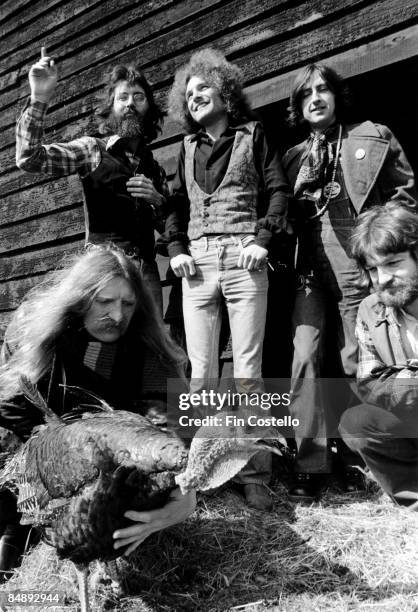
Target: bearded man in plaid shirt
[
  {"x": 384, "y": 430},
  {"x": 125, "y": 188}
]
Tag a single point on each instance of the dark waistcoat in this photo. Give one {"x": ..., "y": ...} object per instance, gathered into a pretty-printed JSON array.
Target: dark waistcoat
[{"x": 111, "y": 213}]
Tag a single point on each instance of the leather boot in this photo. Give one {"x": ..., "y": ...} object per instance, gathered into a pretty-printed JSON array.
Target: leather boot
[{"x": 305, "y": 488}]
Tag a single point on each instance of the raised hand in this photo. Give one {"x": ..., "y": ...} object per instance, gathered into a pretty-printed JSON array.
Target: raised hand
[{"x": 43, "y": 77}]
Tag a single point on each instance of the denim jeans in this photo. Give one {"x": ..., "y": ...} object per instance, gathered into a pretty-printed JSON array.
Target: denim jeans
[
  {"x": 218, "y": 278},
  {"x": 388, "y": 443},
  {"x": 328, "y": 300}
]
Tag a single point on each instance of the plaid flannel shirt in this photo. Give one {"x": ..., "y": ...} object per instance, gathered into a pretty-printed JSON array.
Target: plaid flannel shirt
[
  {"x": 79, "y": 156},
  {"x": 382, "y": 384}
]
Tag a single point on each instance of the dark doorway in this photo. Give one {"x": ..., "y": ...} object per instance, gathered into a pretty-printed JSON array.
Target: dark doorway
[{"x": 386, "y": 95}]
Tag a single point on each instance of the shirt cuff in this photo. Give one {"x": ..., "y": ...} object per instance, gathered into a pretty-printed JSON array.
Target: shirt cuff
[
  {"x": 175, "y": 248},
  {"x": 36, "y": 110},
  {"x": 263, "y": 238}
]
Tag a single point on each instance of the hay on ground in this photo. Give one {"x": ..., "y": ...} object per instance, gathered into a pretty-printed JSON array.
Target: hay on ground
[{"x": 345, "y": 553}]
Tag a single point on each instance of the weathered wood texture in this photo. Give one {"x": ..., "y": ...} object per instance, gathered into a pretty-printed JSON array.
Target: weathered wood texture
[{"x": 41, "y": 217}]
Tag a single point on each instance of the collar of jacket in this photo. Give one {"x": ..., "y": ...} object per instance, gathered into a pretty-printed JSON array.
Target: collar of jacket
[
  {"x": 360, "y": 175},
  {"x": 113, "y": 140}
]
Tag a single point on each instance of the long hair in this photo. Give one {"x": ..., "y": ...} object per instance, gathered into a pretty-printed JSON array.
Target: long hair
[
  {"x": 382, "y": 230},
  {"x": 227, "y": 78},
  {"x": 134, "y": 76},
  {"x": 334, "y": 81},
  {"x": 61, "y": 301}
]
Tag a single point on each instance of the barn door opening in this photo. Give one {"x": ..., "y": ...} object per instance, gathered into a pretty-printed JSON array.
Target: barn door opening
[{"x": 387, "y": 95}]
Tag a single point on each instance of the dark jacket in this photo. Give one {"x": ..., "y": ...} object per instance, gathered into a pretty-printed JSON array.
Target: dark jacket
[
  {"x": 139, "y": 378},
  {"x": 373, "y": 163},
  {"x": 111, "y": 213}
]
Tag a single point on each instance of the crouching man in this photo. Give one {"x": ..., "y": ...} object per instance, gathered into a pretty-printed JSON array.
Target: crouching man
[
  {"x": 92, "y": 325},
  {"x": 384, "y": 430}
]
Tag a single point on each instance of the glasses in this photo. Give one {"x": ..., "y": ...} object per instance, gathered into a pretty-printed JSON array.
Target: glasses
[{"x": 139, "y": 98}]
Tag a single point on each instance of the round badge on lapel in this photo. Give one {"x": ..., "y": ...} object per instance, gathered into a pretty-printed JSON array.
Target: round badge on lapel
[{"x": 360, "y": 154}]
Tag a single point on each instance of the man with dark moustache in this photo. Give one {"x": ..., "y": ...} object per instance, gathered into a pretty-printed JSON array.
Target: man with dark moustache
[
  {"x": 90, "y": 328},
  {"x": 125, "y": 189},
  {"x": 338, "y": 172},
  {"x": 384, "y": 430}
]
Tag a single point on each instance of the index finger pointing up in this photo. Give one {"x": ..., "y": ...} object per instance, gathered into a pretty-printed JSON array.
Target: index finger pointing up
[{"x": 43, "y": 52}]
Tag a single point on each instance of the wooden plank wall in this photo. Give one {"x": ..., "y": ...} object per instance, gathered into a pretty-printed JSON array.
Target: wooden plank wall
[{"x": 41, "y": 218}]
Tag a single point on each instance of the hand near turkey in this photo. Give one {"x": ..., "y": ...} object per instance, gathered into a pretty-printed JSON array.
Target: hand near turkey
[{"x": 175, "y": 511}]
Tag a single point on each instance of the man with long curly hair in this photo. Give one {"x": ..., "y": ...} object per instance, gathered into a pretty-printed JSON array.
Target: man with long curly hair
[
  {"x": 125, "y": 189},
  {"x": 93, "y": 326},
  {"x": 339, "y": 171},
  {"x": 229, "y": 198}
]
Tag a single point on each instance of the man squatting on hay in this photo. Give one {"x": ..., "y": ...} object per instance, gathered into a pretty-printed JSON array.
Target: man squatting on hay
[
  {"x": 125, "y": 189},
  {"x": 92, "y": 325},
  {"x": 384, "y": 430},
  {"x": 229, "y": 197}
]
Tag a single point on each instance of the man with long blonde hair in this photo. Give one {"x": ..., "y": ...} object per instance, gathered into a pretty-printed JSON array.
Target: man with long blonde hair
[{"x": 92, "y": 325}]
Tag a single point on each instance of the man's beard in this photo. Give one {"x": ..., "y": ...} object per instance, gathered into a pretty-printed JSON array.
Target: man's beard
[
  {"x": 130, "y": 126},
  {"x": 399, "y": 293}
]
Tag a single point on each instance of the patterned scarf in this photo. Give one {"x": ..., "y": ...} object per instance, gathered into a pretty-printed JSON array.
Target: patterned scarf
[
  {"x": 315, "y": 163},
  {"x": 100, "y": 357}
]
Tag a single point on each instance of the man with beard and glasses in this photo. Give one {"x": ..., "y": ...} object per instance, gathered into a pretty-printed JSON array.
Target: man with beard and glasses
[
  {"x": 339, "y": 171},
  {"x": 125, "y": 189},
  {"x": 384, "y": 430},
  {"x": 90, "y": 330}
]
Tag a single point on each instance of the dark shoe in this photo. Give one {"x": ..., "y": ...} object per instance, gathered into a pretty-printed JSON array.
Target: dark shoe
[
  {"x": 352, "y": 480},
  {"x": 257, "y": 497},
  {"x": 305, "y": 488},
  {"x": 12, "y": 544}
]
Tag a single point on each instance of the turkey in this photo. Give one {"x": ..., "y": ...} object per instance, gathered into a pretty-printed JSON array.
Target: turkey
[{"x": 77, "y": 478}]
